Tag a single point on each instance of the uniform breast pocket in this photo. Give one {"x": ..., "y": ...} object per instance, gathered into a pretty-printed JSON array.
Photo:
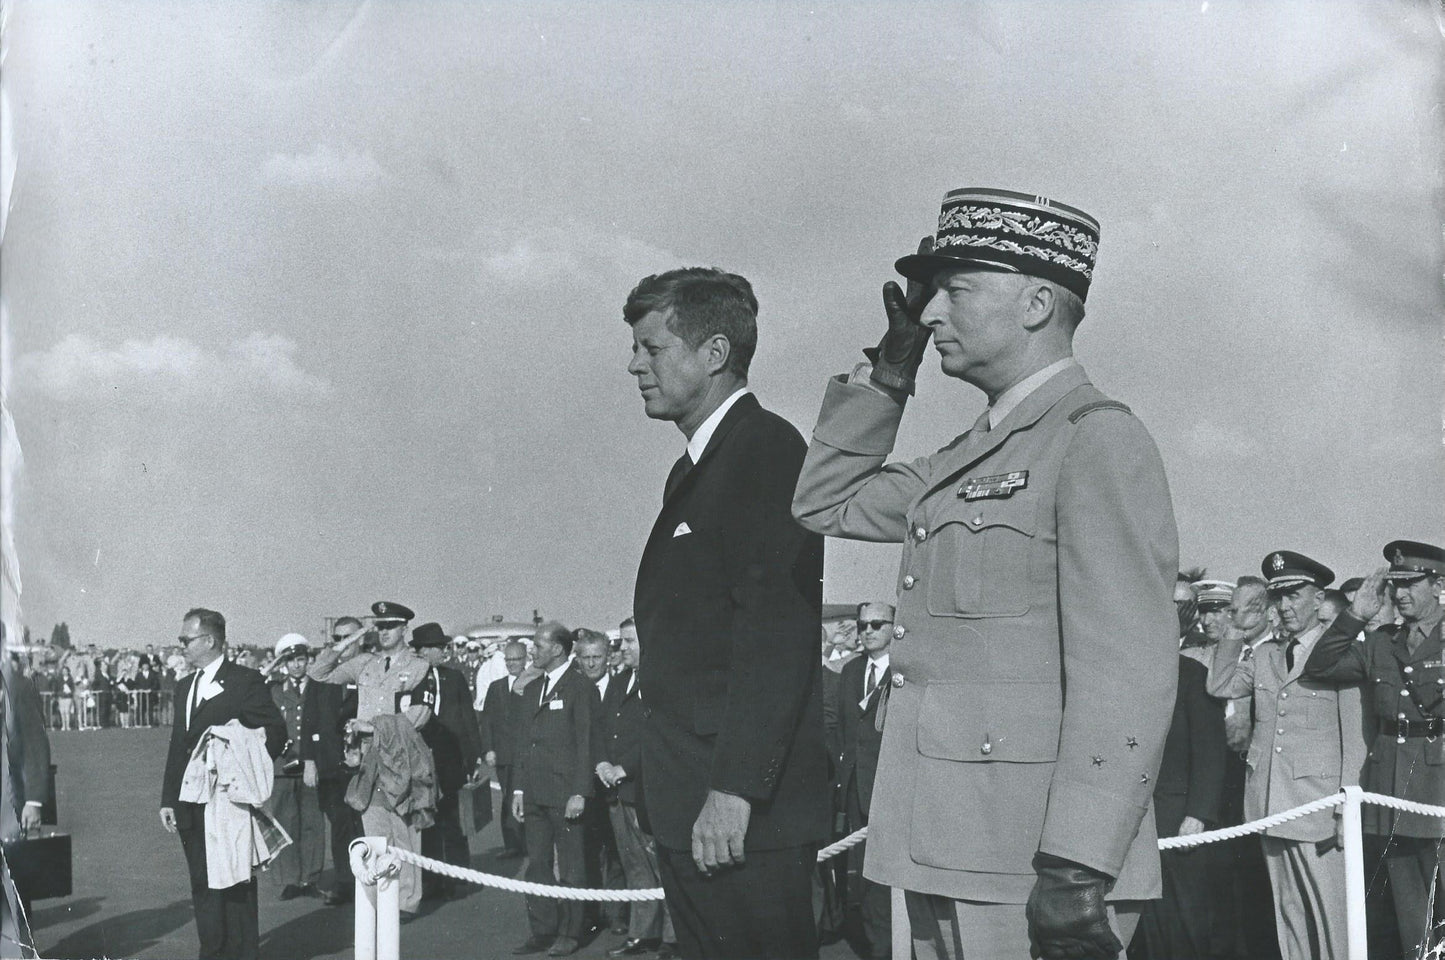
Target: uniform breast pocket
[{"x": 978, "y": 554}]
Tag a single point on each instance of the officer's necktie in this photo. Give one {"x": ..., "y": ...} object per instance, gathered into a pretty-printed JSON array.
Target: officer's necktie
[
  {"x": 1289, "y": 652},
  {"x": 679, "y": 470},
  {"x": 872, "y": 682},
  {"x": 385, "y": 664}
]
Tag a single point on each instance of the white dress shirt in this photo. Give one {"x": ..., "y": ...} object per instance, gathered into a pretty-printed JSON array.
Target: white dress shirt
[
  {"x": 1017, "y": 393},
  {"x": 698, "y": 443}
]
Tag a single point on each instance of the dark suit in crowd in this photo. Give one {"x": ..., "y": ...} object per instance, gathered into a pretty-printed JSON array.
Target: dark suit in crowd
[
  {"x": 456, "y": 746},
  {"x": 227, "y": 921},
  {"x": 498, "y": 727},
  {"x": 728, "y": 602},
  {"x": 557, "y": 748},
  {"x": 323, "y": 740},
  {"x": 1185, "y": 924},
  {"x": 25, "y": 780},
  {"x": 859, "y": 741}
]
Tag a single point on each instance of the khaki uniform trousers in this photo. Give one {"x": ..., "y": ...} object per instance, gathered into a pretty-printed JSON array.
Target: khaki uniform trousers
[
  {"x": 945, "y": 929},
  {"x": 1309, "y": 898}
]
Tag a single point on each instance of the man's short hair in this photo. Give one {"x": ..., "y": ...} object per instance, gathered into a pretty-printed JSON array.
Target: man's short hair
[
  {"x": 346, "y": 622},
  {"x": 583, "y": 636},
  {"x": 701, "y": 302},
  {"x": 210, "y": 621},
  {"x": 629, "y": 622},
  {"x": 558, "y": 634},
  {"x": 875, "y": 603},
  {"x": 513, "y": 648}
]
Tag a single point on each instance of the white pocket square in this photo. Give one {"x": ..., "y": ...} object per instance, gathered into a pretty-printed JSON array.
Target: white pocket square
[{"x": 682, "y": 529}]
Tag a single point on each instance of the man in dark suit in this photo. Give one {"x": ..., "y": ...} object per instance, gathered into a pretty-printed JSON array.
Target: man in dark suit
[
  {"x": 498, "y": 721},
  {"x": 556, "y": 750},
  {"x": 1188, "y": 796},
  {"x": 456, "y": 747},
  {"x": 323, "y": 754},
  {"x": 24, "y": 784},
  {"x": 294, "y": 802},
  {"x": 728, "y": 603},
  {"x": 862, "y": 686},
  {"x": 216, "y": 692},
  {"x": 648, "y": 926}
]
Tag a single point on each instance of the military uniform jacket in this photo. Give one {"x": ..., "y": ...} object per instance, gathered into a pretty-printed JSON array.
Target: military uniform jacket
[
  {"x": 379, "y": 678},
  {"x": 729, "y": 605},
  {"x": 1402, "y": 686},
  {"x": 1307, "y": 740},
  {"x": 294, "y": 705},
  {"x": 1038, "y": 558},
  {"x": 559, "y": 739}
]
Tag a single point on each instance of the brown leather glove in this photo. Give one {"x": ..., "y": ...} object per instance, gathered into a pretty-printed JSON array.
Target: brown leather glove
[
  {"x": 1066, "y": 914},
  {"x": 899, "y": 354}
]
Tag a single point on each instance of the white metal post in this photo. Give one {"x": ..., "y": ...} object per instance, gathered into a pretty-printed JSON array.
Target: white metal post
[
  {"x": 1354, "y": 876},
  {"x": 902, "y": 933},
  {"x": 365, "y": 920},
  {"x": 388, "y": 917}
]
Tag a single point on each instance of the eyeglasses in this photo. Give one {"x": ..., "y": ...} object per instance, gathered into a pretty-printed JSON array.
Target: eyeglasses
[
  {"x": 338, "y": 637},
  {"x": 873, "y": 624},
  {"x": 185, "y": 640},
  {"x": 390, "y": 625}
]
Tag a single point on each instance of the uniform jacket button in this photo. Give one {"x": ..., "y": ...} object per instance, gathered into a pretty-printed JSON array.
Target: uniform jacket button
[
  {"x": 1284, "y": 695},
  {"x": 920, "y": 534},
  {"x": 899, "y": 631},
  {"x": 986, "y": 748},
  {"x": 1279, "y": 749},
  {"x": 909, "y": 581},
  {"x": 897, "y": 679},
  {"x": 1409, "y": 669}
]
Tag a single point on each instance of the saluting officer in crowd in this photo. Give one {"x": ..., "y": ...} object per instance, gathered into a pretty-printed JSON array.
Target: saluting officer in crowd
[
  {"x": 294, "y": 802},
  {"x": 1307, "y": 743},
  {"x": 1401, "y": 665},
  {"x": 1035, "y": 642}
]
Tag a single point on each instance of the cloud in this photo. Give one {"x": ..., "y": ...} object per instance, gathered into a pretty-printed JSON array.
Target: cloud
[
  {"x": 579, "y": 250},
  {"x": 259, "y": 362},
  {"x": 325, "y": 166}
]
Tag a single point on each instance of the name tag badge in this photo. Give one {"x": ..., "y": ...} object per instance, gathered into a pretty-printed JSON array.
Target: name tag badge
[
  {"x": 555, "y": 705},
  {"x": 993, "y": 488}
]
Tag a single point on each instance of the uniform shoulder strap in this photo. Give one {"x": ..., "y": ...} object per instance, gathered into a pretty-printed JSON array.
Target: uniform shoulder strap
[{"x": 1093, "y": 405}]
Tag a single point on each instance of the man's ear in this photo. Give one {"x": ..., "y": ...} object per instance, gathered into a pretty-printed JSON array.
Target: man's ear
[
  {"x": 1039, "y": 306},
  {"x": 716, "y": 353}
]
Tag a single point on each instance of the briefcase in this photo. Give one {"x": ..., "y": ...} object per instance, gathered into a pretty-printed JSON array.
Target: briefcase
[{"x": 40, "y": 865}]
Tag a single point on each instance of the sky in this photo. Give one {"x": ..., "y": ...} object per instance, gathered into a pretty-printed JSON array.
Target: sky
[{"x": 308, "y": 305}]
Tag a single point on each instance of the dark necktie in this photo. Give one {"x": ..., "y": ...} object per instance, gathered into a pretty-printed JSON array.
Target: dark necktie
[
  {"x": 872, "y": 682},
  {"x": 385, "y": 663},
  {"x": 674, "y": 479},
  {"x": 1289, "y": 652}
]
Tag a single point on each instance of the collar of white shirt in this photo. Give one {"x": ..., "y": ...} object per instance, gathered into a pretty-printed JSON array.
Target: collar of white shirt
[
  {"x": 698, "y": 443},
  {"x": 206, "y": 679},
  {"x": 1017, "y": 393},
  {"x": 552, "y": 676}
]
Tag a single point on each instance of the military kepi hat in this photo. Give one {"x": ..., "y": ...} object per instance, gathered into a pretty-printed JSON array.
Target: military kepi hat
[
  {"x": 1213, "y": 593},
  {"x": 1285, "y": 570},
  {"x": 429, "y": 635},
  {"x": 1410, "y": 560},
  {"x": 387, "y": 611},
  {"x": 1015, "y": 232}
]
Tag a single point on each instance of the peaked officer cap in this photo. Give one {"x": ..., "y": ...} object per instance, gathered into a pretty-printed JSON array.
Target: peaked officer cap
[
  {"x": 387, "y": 611},
  {"x": 1285, "y": 570},
  {"x": 1015, "y": 232},
  {"x": 1213, "y": 593},
  {"x": 1410, "y": 560}
]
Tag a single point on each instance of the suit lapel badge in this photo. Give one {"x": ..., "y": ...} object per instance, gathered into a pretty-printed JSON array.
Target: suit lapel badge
[{"x": 998, "y": 486}]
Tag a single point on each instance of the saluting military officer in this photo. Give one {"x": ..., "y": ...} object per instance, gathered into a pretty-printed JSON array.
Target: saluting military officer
[
  {"x": 294, "y": 801},
  {"x": 384, "y": 682},
  {"x": 1402, "y": 666},
  {"x": 1307, "y": 743},
  {"x": 1035, "y": 638}
]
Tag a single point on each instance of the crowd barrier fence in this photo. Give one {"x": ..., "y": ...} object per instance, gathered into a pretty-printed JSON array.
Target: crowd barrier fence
[
  {"x": 376, "y": 865},
  {"x": 92, "y": 710}
]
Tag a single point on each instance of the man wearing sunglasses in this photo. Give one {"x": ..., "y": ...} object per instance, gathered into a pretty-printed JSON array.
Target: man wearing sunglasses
[
  {"x": 216, "y": 692},
  {"x": 323, "y": 750}
]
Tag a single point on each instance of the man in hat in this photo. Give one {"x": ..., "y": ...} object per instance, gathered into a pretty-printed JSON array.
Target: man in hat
[
  {"x": 384, "y": 682},
  {"x": 1404, "y": 668},
  {"x": 294, "y": 802},
  {"x": 1034, "y": 648},
  {"x": 1306, "y": 744},
  {"x": 456, "y": 746},
  {"x": 728, "y": 605}
]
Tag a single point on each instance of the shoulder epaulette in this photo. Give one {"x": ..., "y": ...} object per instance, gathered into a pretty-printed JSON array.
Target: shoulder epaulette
[{"x": 1089, "y": 408}]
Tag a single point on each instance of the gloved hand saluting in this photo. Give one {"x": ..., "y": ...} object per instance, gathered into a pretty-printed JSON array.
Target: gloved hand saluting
[
  {"x": 1066, "y": 914},
  {"x": 899, "y": 354}
]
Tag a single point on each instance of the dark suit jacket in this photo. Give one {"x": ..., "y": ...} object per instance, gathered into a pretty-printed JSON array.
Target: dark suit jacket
[
  {"x": 558, "y": 747},
  {"x": 728, "y": 612},
  {"x": 244, "y": 696},
  {"x": 26, "y": 755},
  {"x": 294, "y": 710},
  {"x": 323, "y": 730},
  {"x": 452, "y": 733},
  {"x": 858, "y": 757},
  {"x": 499, "y": 719},
  {"x": 622, "y": 726},
  {"x": 1191, "y": 775}
]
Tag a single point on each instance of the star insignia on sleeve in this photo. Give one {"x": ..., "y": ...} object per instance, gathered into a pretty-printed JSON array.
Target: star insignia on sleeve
[
  {"x": 1132, "y": 742},
  {"x": 1098, "y": 760},
  {"x": 1143, "y": 778}
]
